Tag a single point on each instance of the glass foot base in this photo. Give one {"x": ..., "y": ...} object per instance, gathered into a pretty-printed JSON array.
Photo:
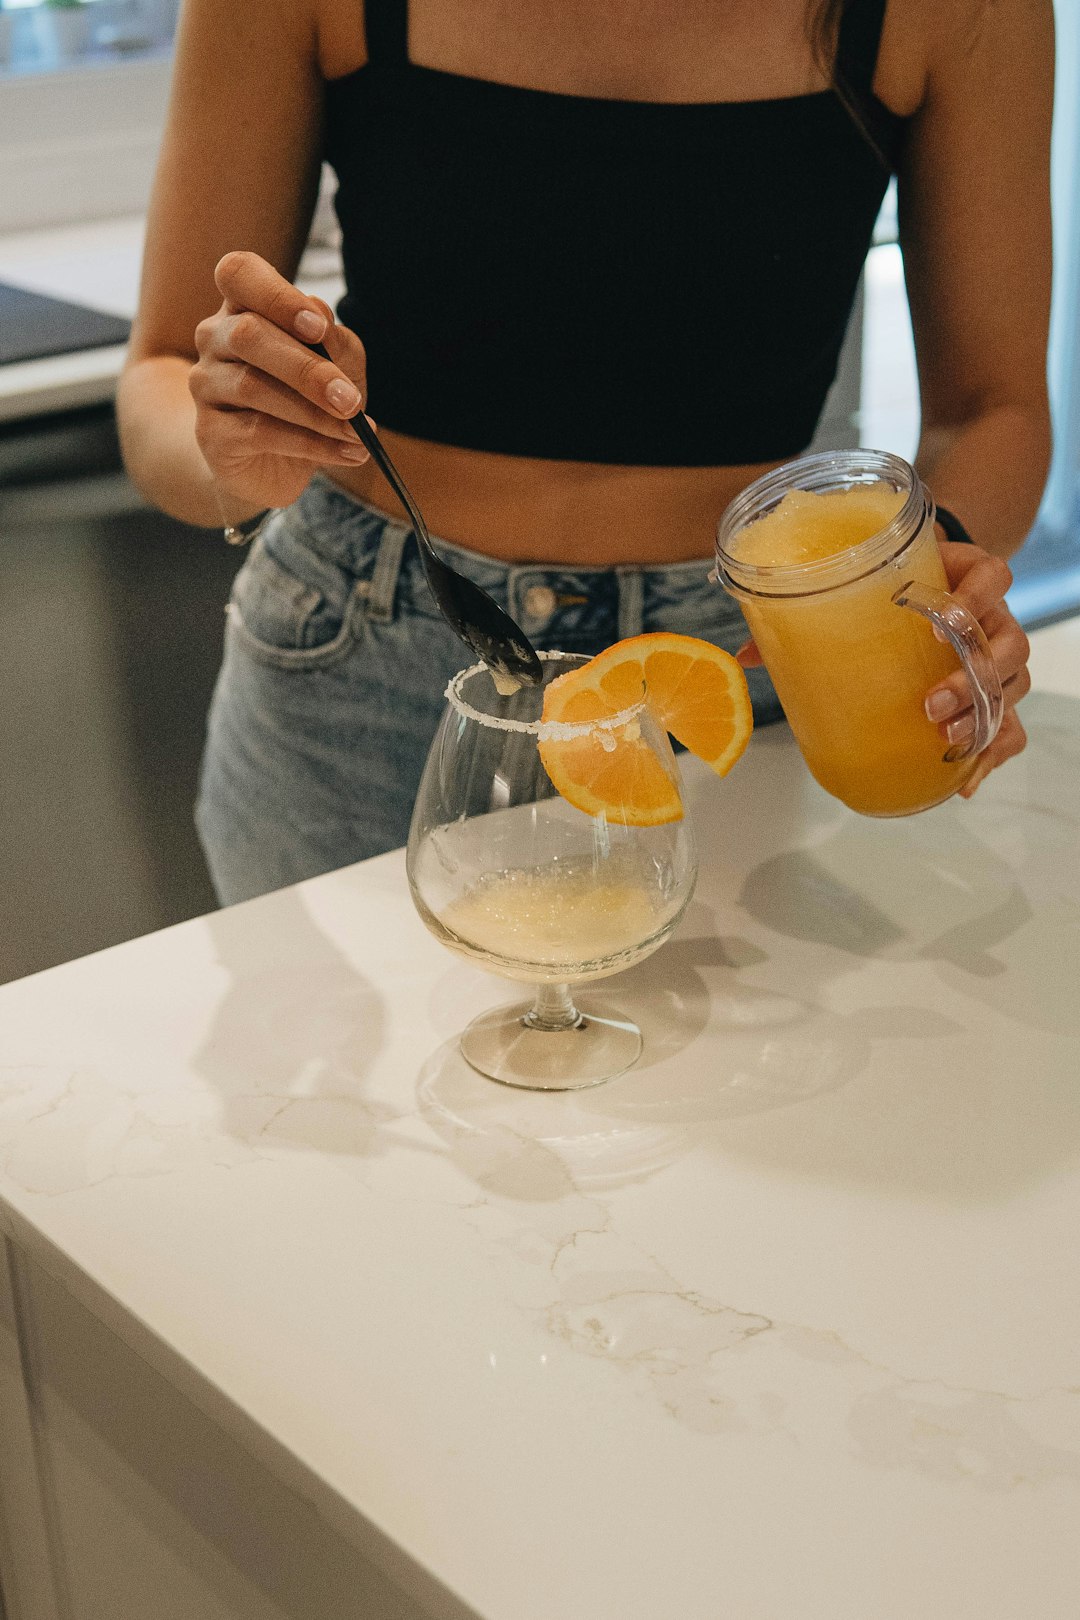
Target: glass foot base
[{"x": 502, "y": 1045}]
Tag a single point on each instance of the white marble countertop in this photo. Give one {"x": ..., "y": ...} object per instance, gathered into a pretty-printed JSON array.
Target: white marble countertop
[{"x": 783, "y": 1324}]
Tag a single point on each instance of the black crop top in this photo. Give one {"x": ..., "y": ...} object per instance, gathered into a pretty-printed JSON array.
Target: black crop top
[{"x": 644, "y": 283}]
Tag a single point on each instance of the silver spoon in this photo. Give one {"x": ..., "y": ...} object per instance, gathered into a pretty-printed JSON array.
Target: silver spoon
[{"x": 468, "y": 610}]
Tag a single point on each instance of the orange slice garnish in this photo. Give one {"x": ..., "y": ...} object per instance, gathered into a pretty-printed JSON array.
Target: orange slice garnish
[{"x": 696, "y": 691}]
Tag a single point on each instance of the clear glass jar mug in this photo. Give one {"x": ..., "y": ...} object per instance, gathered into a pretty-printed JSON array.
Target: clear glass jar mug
[{"x": 849, "y": 639}]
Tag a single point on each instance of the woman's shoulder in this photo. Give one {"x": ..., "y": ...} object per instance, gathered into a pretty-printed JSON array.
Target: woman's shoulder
[
  {"x": 328, "y": 33},
  {"x": 261, "y": 33},
  {"x": 339, "y": 26},
  {"x": 968, "y": 26},
  {"x": 923, "y": 41}
]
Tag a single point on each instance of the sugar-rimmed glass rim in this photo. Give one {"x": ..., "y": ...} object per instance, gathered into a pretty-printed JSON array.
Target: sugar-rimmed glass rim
[
  {"x": 545, "y": 730},
  {"x": 826, "y": 470}
]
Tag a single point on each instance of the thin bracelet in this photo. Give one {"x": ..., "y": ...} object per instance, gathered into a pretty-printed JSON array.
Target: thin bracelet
[
  {"x": 238, "y": 534},
  {"x": 954, "y": 529}
]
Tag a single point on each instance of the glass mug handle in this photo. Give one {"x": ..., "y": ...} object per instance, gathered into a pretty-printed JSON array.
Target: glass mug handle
[{"x": 959, "y": 627}]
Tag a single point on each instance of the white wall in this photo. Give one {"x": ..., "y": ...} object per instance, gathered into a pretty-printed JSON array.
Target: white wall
[{"x": 80, "y": 143}]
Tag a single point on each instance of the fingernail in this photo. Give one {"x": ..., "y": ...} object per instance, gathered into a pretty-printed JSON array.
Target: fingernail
[
  {"x": 354, "y": 452},
  {"x": 939, "y": 705},
  {"x": 961, "y": 729},
  {"x": 310, "y": 326},
  {"x": 343, "y": 397}
]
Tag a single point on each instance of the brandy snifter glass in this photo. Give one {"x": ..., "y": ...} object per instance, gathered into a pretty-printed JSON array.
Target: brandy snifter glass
[{"x": 507, "y": 873}]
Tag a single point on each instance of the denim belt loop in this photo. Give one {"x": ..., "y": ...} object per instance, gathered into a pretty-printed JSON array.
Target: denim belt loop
[
  {"x": 631, "y": 590},
  {"x": 384, "y": 577}
]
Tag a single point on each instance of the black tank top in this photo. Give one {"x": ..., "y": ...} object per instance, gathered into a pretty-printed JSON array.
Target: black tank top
[{"x": 644, "y": 283}]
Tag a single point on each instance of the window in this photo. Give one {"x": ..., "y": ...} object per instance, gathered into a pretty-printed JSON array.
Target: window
[
  {"x": 82, "y": 102},
  {"x": 40, "y": 38}
]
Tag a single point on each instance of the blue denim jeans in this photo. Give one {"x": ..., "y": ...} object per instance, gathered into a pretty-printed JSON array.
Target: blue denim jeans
[{"x": 335, "y": 665}]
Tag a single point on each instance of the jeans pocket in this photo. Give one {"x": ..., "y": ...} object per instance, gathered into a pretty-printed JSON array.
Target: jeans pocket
[{"x": 290, "y": 607}]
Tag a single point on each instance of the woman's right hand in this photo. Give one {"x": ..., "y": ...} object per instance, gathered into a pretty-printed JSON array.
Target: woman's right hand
[{"x": 268, "y": 412}]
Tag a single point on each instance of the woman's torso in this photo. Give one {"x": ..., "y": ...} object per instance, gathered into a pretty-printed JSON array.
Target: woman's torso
[{"x": 524, "y": 507}]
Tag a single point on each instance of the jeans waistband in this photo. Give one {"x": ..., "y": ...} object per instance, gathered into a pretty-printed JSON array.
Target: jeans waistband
[{"x": 379, "y": 549}]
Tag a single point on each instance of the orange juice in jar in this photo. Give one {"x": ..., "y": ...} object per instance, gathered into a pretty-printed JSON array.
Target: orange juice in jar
[{"x": 834, "y": 561}]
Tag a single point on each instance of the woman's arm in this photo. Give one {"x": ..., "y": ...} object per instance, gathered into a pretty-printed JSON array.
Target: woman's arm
[
  {"x": 239, "y": 169},
  {"x": 975, "y": 233},
  {"x": 974, "y": 198}
]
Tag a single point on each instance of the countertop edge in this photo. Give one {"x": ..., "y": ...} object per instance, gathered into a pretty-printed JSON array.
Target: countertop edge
[{"x": 341, "y": 1516}]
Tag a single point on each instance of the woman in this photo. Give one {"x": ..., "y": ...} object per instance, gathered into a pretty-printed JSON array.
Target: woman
[{"x": 600, "y": 258}]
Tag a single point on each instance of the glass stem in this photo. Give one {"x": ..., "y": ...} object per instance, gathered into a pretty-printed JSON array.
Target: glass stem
[{"x": 553, "y": 1009}]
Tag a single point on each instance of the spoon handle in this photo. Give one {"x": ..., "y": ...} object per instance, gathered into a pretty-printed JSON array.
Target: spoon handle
[
  {"x": 374, "y": 445},
  {"x": 469, "y": 611},
  {"x": 371, "y": 441}
]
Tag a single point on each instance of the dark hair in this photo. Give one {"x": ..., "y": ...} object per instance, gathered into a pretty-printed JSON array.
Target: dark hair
[{"x": 823, "y": 22}]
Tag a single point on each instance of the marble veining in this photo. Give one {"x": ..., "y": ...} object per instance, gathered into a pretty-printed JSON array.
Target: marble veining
[
  {"x": 719, "y": 1368},
  {"x": 554, "y": 1250}
]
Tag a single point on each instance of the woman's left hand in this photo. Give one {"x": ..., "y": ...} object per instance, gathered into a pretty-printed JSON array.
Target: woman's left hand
[{"x": 979, "y": 581}]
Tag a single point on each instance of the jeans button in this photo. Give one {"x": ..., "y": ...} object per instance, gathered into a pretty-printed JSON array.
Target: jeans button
[{"x": 540, "y": 601}]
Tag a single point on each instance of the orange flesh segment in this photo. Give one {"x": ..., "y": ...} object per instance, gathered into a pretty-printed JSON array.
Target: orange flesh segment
[
  {"x": 695, "y": 690},
  {"x": 626, "y": 784}
]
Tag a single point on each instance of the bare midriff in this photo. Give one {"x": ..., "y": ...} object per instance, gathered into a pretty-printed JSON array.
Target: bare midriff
[{"x": 580, "y": 513}]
